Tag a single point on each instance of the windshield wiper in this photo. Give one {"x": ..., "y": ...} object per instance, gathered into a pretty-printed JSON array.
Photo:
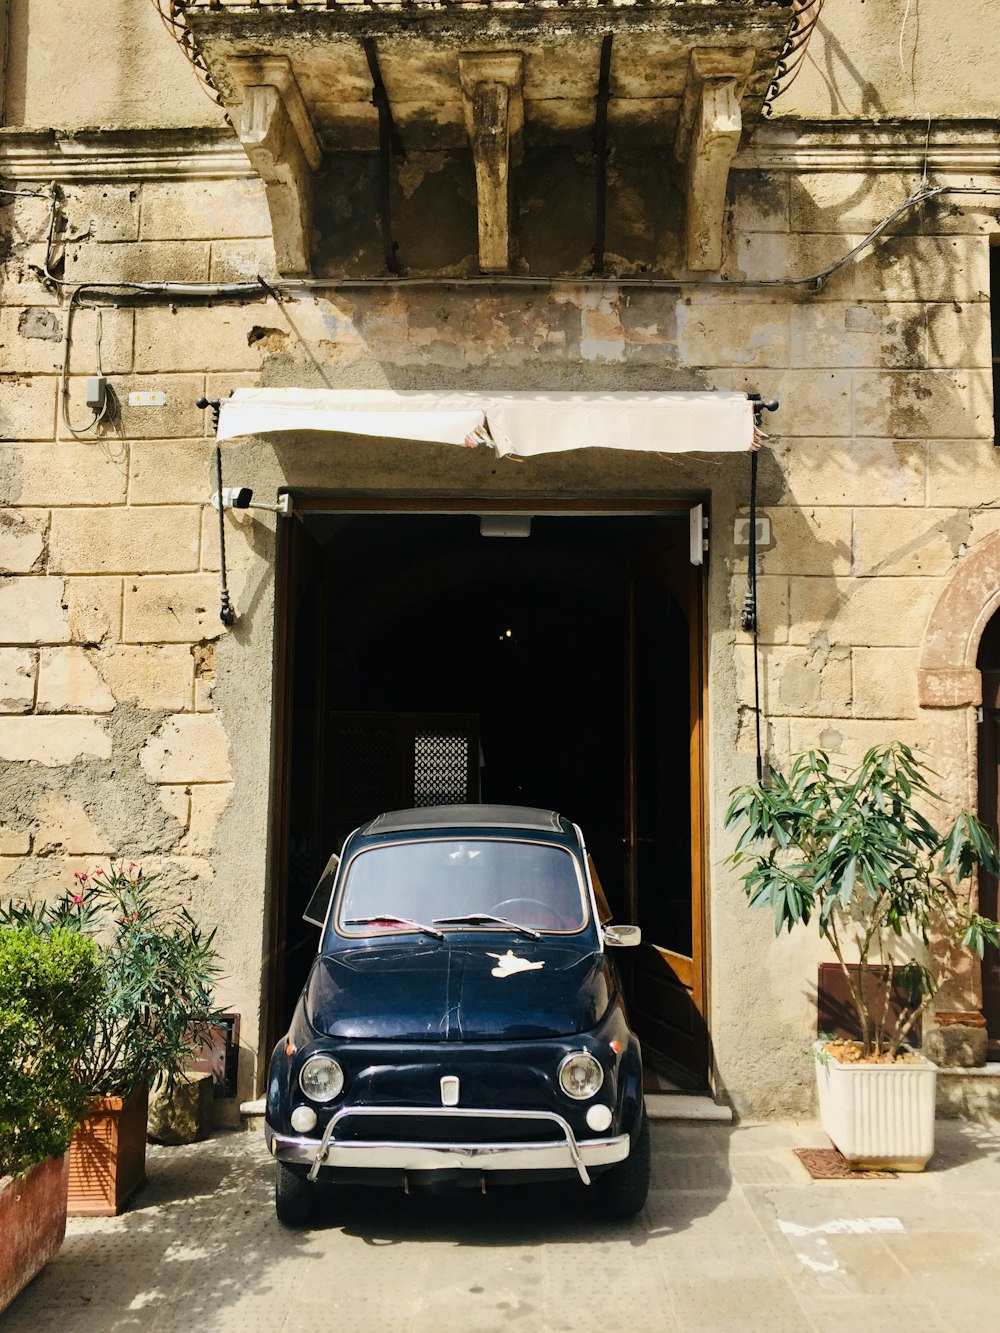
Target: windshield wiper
[
  {"x": 395, "y": 921},
  {"x": 484, "y": 918}
]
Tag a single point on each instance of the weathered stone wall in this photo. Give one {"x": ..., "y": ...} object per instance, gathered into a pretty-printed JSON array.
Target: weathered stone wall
[
  {"x": 132, "y": 722},
  {"x": 107, "y": 63},
  {"x": 877, "y": 59}
]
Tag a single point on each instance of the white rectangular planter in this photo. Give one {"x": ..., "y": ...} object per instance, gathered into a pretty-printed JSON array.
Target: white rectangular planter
[{"x": 879, "y": 1116}]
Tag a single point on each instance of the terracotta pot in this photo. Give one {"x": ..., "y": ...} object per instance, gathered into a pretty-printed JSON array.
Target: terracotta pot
[
  {"x": 32, "y": 1223},
  {"x": 107, "y": 1158}
]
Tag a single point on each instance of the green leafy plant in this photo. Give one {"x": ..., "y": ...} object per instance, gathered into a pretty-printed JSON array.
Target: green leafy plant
[
  {"x": 157, "y": 969},
  {"x": 48, "y": 990},
  {"x": 855, "y": 851}
]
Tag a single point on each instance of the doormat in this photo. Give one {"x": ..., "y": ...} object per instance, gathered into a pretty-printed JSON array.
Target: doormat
[{"x": 829, "y": 1164}]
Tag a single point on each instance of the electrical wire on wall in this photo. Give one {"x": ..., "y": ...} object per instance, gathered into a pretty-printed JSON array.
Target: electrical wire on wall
[
  {"x": 749, "y": 619},
  {"x": 104, "y": 407},
  {"x": 100, "y": 295},
  {"x": 260, "y": 288}
]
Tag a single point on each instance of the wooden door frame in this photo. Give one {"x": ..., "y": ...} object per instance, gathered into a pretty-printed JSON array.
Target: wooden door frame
[
  {"x": 691, "y": 972},
  {"x": 316, "y": 501}
]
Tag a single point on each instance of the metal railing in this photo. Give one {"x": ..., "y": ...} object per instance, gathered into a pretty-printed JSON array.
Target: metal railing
[
  {"x": 177, "y": 8},
  {"x": 804, "y": 19},
  {"x": 805, "y": 14}
]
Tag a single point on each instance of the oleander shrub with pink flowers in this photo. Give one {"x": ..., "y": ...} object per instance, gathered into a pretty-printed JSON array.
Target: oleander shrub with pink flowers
[{"x": 156, "y": 972}]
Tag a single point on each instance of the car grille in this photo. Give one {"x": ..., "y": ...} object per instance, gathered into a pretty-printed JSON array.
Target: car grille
[{"x": 445, "y": 1129}]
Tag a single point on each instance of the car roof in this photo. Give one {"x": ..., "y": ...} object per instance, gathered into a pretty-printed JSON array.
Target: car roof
[{"x": 468, "y": 817}]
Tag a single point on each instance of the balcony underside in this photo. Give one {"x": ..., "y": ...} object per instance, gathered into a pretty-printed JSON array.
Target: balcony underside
[{"x": 682, "y": 81}]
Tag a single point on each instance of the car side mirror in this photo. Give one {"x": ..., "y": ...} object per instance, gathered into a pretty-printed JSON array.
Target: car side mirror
[
  {"x": 319, "y": 903},
  {"x": 622, "y": 937}
]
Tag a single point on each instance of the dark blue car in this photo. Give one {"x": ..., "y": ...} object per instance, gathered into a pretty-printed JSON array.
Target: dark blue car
[{"x": 462, "y": 1019}]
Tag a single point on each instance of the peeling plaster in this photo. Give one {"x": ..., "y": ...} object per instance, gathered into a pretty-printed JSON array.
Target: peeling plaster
[
  {"x": 40, "y": 323},
  {"x": 114, "y": 794}
]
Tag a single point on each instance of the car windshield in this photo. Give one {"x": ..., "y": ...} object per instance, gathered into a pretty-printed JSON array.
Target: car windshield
[{"x": 448, "y": 883}]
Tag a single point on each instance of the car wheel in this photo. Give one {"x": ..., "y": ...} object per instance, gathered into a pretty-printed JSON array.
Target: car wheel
[
  {"x": 293, "y": 1197},
  {"x": 622, "y": 1189}
]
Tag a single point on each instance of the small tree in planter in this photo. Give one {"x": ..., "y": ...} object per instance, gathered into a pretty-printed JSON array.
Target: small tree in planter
[
  {"x": 856, "y": 852},
  {"x": 154, "y": 1008},
  {"x": 48, "y": 990}
]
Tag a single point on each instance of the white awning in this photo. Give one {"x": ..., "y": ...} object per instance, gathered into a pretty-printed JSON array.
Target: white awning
[{"x": 519, "y": 424}]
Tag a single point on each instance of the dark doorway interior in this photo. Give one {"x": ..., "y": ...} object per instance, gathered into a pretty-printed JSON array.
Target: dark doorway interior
[
  {"x": 542, "y": 670},
  {"x": 988, "y": 663}
]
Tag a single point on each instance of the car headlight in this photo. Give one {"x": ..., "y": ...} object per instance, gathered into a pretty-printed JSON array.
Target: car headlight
[
  {"x": 321, "y": 1078},
  {"x": 580, "y": 1076}
]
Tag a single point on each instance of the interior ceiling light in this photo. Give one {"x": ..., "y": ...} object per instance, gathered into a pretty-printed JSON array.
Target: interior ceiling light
[{"x": 505, "y": 525}]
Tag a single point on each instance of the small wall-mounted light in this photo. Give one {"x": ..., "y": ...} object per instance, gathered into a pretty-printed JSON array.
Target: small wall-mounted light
[
  {"x": 241, "y": 497},
  {"x": 233, "y": 497}
]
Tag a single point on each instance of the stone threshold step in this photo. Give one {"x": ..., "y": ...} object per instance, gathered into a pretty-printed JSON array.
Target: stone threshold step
[
  {"x": 970, "y": 1094},
  {"x": 679, "y": 1106}
]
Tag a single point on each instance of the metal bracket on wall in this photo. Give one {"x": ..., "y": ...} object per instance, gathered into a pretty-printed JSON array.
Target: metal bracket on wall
[
  {"x": 698, "y": 534},
  {"x": 601, "y": 152},
  {"x": 389, "y": 145}
]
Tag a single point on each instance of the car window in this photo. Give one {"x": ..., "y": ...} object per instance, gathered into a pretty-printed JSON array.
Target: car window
[{"x": 532, "y": 884}]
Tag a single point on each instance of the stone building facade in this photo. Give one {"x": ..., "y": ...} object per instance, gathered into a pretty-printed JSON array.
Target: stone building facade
[{"x": 133, "y": 721}]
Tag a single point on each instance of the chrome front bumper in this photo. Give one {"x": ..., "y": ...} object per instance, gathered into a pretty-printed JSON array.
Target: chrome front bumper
[{"x": 402, "y": 1156}]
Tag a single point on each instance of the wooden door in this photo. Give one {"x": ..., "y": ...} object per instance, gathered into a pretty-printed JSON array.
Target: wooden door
[{"x": 664, "y": 804}]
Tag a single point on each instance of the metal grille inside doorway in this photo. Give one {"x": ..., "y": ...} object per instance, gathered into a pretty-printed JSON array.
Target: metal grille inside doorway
[
  {"x": 440, "y": 767},
  {"x": 391, "y": 761}
]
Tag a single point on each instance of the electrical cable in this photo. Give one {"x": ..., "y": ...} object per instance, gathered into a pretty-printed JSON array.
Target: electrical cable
[
  {"x": 226, "y": 613},
  {"x": 749, "y": 621},
  {"x": 104, "y": 412},
  {"x": 260, "y": 288},
  {"x": 752, "y": 594}
]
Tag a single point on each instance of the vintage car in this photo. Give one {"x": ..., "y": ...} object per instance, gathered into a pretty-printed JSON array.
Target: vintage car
[{"x": 462, "y": 1019}]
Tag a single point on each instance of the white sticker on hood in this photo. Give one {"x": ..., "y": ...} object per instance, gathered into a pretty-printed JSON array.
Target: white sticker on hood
[{"x": 508, "y": 963}]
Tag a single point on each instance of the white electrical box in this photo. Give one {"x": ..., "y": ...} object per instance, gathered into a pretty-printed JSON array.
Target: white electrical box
[{"x": 147, "y": 398}]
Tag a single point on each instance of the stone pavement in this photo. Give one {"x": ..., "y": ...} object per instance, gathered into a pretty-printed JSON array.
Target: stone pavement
[{"x": 735, "y": 1237}]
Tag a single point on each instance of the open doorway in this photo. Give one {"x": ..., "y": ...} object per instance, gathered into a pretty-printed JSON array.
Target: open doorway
[
  {"x": 988, "y": 662},
  {"x": 425, "y": 662}
]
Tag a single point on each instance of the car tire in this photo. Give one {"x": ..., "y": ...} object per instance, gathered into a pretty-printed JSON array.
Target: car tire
[
  {"x": 622, "y": 1189},
  {"x": 293, "y": 1197}
]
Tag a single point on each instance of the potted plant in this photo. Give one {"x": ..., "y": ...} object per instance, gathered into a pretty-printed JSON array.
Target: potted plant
[
  {"x": 856, "y": 851},
  {"x": 48, "y": 987},
  {"x": 153, "y": 1011}
]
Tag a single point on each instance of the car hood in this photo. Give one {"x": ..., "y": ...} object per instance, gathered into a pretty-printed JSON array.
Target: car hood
[{"x": 445, "y": 991}]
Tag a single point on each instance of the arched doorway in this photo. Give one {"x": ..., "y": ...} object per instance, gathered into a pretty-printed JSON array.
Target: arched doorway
[
  {"x": 561, "y": 669},
  {"x": 957, "y": 680},
  {"x": 988, "y": 662}
]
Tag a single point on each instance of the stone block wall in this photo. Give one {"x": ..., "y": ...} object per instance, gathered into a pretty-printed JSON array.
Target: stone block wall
[{"x": 132, "y": 722}]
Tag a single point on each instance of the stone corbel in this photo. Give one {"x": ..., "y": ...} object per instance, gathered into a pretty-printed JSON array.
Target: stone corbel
[
  {"x": 708, "y": 136},
  {"x": 278, "y": 138},
  {"x": 494, "y": 120}
]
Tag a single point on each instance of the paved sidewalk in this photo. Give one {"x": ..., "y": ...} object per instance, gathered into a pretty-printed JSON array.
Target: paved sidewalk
[{"x": 735, "y": 1237}]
